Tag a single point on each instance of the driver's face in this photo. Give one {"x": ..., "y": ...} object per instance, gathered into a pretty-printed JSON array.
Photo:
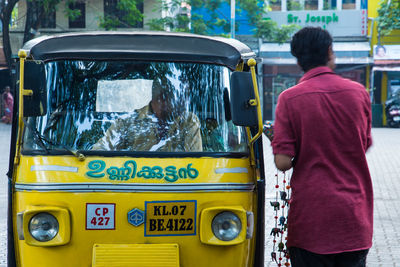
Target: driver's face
[{"x": 162, "y": 107}]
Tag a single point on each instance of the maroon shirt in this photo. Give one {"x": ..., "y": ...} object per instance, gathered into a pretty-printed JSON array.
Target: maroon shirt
[{"x": 324, "y": 122}]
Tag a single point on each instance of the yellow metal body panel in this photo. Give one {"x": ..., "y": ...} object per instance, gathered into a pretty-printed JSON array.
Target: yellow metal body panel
[
  {"x": 63, "y": 218},
  {"x": 136, "y": 255},
  {"x": 64, "y": 171},
  {"x": 208, "y": 214},
  {"x": 68, "y": 169},
  {"x": 384, "y": 93}
]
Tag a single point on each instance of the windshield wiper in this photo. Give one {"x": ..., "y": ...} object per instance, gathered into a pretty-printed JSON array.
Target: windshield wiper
[{"x": 41, "y": 140}]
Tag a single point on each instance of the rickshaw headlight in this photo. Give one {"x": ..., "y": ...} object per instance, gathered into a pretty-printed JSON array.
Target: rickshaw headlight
[
  {"x": 226, "y": 226},
  {"x": 43, "y": 227}
]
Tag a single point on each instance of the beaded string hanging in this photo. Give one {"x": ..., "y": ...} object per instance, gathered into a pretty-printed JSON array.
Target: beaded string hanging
[
  {"x": 280, "y": 206},
  {"x": 279, "y": 252}
]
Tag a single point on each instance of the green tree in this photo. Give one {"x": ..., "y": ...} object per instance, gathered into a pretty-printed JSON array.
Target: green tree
[
  {"x": 36, "y": 10},
  {"x": 178, "y": 20},
  {"x": 125, "y": 13},
  {"x": 388, "y": 17},
  {"x": 6, "y": 10}
]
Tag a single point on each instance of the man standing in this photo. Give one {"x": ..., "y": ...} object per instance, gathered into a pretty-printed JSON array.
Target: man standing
[
  {"x": 8, "y": 103},
  {"x": 322, "y": 130}
]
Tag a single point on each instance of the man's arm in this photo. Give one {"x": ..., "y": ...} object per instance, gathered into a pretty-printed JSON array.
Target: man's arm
[
  {"x": 112, "y": 137},
  {"x": 369, "y": 123},
  {"x": 284, "y": 140},
  {"x": 283, "y": 162},
  {"x": 192, "y": 138}
]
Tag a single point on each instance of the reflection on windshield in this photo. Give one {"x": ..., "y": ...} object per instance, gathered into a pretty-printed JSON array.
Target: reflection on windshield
[{"x": 140, "y": 106}]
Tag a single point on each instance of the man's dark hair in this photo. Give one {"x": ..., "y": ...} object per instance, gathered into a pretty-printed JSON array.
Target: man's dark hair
[{"x": 310, "y": 46}]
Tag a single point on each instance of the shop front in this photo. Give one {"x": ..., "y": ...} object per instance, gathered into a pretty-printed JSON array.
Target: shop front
[
  {"x": 280, "y": 69},
  {"x": 385, "y": 82},
  {"x": 346, "y": 20}
]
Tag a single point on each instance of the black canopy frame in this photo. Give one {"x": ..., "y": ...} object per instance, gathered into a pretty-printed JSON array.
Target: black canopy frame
[{"x": 149, "y": 46}]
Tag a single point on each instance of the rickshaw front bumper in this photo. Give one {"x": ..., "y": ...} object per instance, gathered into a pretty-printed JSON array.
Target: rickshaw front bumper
[{"x": 166, "y": 255}]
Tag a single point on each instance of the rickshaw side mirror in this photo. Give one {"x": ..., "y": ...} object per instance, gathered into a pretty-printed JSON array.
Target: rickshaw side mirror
[
  {"x": 35, "y": 80},
  {"x": 242, "y": 91},
  {"x": 227, "y": 105}
]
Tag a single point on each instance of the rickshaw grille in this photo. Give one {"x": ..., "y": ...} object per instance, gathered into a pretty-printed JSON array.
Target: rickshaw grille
[{"x": 143, "y": 255}]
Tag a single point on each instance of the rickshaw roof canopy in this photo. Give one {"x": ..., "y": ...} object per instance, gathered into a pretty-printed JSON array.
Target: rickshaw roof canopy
[{"x": 154, "y": 46}]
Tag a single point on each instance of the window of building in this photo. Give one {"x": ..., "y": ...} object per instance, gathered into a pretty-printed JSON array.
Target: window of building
[
  {"x": 349, "y": 4},
  {"x": 275, "y": 5},
  {"x": 79, "y": 21},
  {"x": 329, "y": 4},
  {"x": 299, "y": 5},
  {"x": 111, "y": 10},
  {"x": 311, "y": 4},
  {"x": 295, "y": 5},
  {"x": 48, "y": 19}
]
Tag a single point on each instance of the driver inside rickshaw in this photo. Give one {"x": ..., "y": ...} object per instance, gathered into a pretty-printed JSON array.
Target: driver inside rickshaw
[{"x": 162, "y": 125}]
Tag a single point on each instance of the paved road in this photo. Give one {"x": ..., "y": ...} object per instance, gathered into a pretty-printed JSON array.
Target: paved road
[
  {"x": 5, "y": 131},
  {"x": 384, "y": 160}
]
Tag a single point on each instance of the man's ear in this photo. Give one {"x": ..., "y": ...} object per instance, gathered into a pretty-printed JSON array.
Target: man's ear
[
  {"x": 331, "y": 58},
  {"x": 330, "y": 51}
]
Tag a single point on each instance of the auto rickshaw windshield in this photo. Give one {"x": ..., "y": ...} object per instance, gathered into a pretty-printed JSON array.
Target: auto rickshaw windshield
[{"x": 135, "y": 106}]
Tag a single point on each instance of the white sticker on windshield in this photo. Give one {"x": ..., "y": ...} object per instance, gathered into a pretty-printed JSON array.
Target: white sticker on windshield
[{"x": 122, "y": 95}]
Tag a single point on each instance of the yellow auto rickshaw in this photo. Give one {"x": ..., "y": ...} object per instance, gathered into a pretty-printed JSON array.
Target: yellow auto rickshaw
[{"x": 136, "y": 149}]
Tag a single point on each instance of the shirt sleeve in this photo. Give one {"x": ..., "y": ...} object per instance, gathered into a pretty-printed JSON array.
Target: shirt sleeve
[
  {"x": 191, "y": 129},
  {"x": 284, "y": 141},
  {"x": 111, "y": 138},
  {"x": 369, "y": 122}
]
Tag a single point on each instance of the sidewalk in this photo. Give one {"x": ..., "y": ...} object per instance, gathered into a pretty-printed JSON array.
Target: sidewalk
[
  {"x": 384, "y": 163},
  {"x": 5, "y": 131}
]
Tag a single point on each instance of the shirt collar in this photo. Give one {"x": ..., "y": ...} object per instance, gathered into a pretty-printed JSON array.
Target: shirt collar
[{"x": 315, "y": 72}]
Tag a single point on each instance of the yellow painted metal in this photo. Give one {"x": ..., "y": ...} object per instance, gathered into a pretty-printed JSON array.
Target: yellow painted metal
[
  {"x": 254, "y": 102},
  {"x": 136, "y": 255},
  {"x": 367, "y": 81},
  {"x": 384, "y": 87},
  {"x": 64, "y": 224},
  {"x": 79, "y": 250},
  {"x": 77, "y": 245},
  {"x": 240, "y": 66},
  {"x": 252, "y": 63},
  {"x": 211, "y": 170},
  {"x": 251, "y": 149},
  {"x": 90, "y": 247},
  {"x": 22, "y": 56},
  {"x": 207, "y": 216}
]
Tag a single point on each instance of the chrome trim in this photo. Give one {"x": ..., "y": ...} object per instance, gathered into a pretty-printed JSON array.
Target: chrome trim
[
  {"x": 107, "y": 187},
  {"x": 231, "y": 170},
  {"x": 53, "y": 168},
  {"x": 20, "y": 225},
  {"x": 250, "y": 224}
]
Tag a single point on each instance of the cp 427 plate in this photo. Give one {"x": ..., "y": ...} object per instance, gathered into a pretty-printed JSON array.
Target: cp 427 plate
[{"x": 166, "y": 218}]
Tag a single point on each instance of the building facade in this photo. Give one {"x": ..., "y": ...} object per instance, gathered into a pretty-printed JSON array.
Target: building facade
[
  {"x": 89, "y": 20},
  {"x": 347, "y": 22},
  {"x": 385, "y": 71},
  {"x": 350, "y": 22}
]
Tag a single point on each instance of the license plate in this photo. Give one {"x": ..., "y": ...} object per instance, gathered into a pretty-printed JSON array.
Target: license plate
[
  {"x": 397, "y": 118},
  {"x": 164, "y": 218},
  {"x": 100, "y": 216}
]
